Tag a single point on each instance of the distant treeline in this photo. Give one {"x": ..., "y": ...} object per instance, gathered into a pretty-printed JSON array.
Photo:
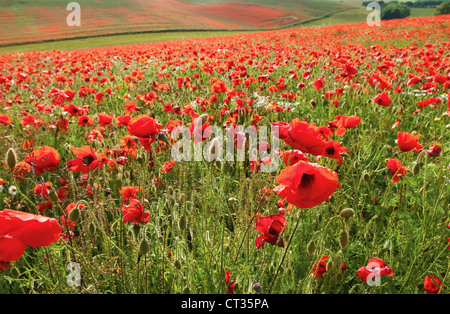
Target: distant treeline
[{"x": 411, "y": 4}]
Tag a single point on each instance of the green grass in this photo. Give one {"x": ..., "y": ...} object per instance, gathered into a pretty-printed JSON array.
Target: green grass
[
  {"x": 202, "y": 211},
  {"x": 113, "y": 40}
]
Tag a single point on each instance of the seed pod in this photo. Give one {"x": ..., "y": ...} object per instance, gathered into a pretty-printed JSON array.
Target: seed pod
[
  {"x": 330, "y": 265},
  {"x": 182, "y": 222},
  {"x": 366, "y": 176},
  {"x": 91, "y": 229},
  {"x": 311, "y": 247},
  {"x": 343, "y": 239},
  {"x": 11, "y": 158},
  {"x": 144, "y": 247},
  {"x": 74, "y": 214},
  {"x": 347, "y": 213},
  {"x": 53, "y": 196},
  {"x": 416, "y": 168},
  {"x": 177, "y": 264}
]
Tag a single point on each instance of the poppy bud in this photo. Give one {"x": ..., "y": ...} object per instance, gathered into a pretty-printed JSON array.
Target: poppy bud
[
  {"x": 144, "y": 247},
  {"x": 356, "y": 164},
  {"x": 366, "y": 176},
  {"x": 91, "y": 229},
  {"x": 347, "y": 213},
  {"x": 310, "y": 247},
  {"x": 182, "y": 198},
  {"x": 202, "y": 119},
  {"x": 74, "y": 214},
  {"x": 416, "y": 168},
  {"x": 330, "y": 265},
  {"x": 257, "y": 287},
  {"x": 343, "y": 239},
  {"x": 177, "y": 264},
  {"x": 11, "y": 158},
  {"x": 53, "y": 196},
  {"x": 162, "y": 137},
  {"x": 182, "y": 222}
]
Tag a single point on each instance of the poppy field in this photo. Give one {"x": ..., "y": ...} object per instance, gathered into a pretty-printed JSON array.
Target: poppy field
[
  {"x": 144, "y": 169},
  {"x": 29, "y": 21}
]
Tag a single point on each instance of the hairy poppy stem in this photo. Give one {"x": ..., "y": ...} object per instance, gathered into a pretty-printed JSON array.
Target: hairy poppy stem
[{"x": 285, "y": 252}]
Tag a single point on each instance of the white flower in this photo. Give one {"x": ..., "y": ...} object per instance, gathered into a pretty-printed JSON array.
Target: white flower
[{"x": 12, "y": 190}]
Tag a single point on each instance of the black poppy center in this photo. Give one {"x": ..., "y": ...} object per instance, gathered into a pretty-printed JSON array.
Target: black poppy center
[
  {"x": 307, "y": 179},
  {"x": 88, "y": 160},
  {"x": 330, "y": 150}
]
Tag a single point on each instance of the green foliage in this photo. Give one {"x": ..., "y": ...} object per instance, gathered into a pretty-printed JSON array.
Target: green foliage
[
  {"x": 443, "y": 8},
  {"x": 394, "y": 11}
]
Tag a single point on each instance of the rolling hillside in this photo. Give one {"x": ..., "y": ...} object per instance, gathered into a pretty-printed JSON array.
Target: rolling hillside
[{"x": 27, "y": 21}]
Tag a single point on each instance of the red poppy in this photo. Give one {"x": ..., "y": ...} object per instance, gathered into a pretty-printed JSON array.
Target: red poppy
[
  {"x": 19, "y": 229},
  {"x": 88, "y": 159},
  {"x": 199, "y": 133},
  {"x": 168, "y": 165},
  {"x": 302, "y": 135},
  {"x": 43, "y": 159},
  {"x": 123, "y": 120},
  {"x": 128, "y": 192},
  {"x": 382, "y": 99},
  {"x": 291, "y": 157},
  {"x": 434, "y": 151},
  {"x": 85, "y": 120},
  {"x": 306, "y": 185},
  {"x": 44, "y": 206},
  {"x": 4, "y": 266},
  {"x": 5, "y": 119},
  {"x": 271, "y": 227},
  {"x": 143, "y": 126},
  {"x": 134, "y": 212},
  {"x": 407, "y": 142},
  {"x": 375, "y": 268},
  {"x": 396, "y": 124},
  {"x": 130, "y": 107},
  {"x": 129, "y": 145},
  {"x": 320, "y": 267},
  {"x": 230, "y": 288},
  {"x": 227, "y": 276},
  {"x": 342, "y": 123},
  {"x": 396, "y": 169},
  {"x": 319, "y": 83},
  {"x": 21, "y": 169},
  {"x": 73, "y": 110},
  {"x": 432, "y": 284},
  {"x": 62, "y": 193},
  {"x": 42, "y": 189},
  {"x": 334, "y": 150},
  {"x": 63, "y": 124},
  {"x": 105, "y": 119}
]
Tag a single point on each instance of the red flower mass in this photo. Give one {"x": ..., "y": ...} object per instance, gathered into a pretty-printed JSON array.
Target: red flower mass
[
  {"x": 19, "y": 229},
  {"x": 306, "y": 185}
]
